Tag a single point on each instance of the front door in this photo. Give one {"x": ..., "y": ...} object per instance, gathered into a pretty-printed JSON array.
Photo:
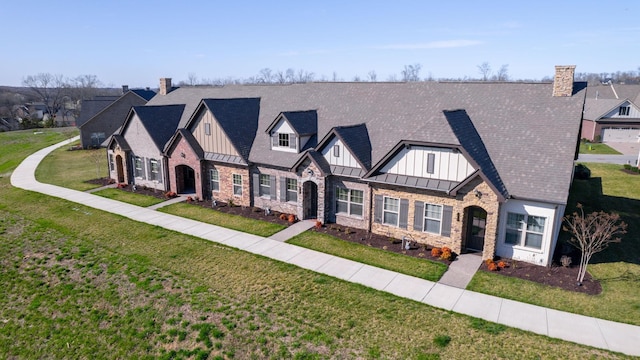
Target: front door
[
  {"x": 476, "y": 225},
  {"x": 185, "y": 179},
  {"x": 119, "y": 169},
  {"x": 310, "y": 200}
]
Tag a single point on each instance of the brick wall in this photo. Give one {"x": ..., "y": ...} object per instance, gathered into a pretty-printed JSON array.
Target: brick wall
[
  {"x": 183, "y": 154},
  {"x": 226, "y": 172}
]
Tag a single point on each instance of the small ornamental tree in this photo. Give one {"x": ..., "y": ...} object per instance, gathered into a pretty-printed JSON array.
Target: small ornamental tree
[{"x": 592, "y": 233}]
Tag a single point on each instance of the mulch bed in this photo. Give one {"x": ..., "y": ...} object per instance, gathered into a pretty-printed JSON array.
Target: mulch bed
[{"x": 556, "y": 275}]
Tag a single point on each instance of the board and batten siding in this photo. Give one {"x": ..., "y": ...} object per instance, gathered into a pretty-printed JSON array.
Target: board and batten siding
[
  {"x": 214, "y": 140},
  {"x": 634, "y": 113},
  {"x": 447, "y": 164},
  {"x": 345, "y": 157}
]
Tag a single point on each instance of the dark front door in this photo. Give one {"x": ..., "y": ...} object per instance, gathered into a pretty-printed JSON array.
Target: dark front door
[
  {"x": 119, "y": 169},
  {"x": 476, "y": 225},
  {"x": 185, "y": 179},
  {"x": 310, "y": 203}
]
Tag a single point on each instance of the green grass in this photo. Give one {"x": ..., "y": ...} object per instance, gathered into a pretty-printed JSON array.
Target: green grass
[
  {"x": 71, "y": 169},
  {"x": 129, "y": 197},
  {"x": 229, "y": 221},
  {"x": 80, "y": 283},
  {"x": 422, "y": 268},
  {"x": 617, "y": 268},
  {"x": 597, "y": 149},
  {"x": 16, "y": 145}
]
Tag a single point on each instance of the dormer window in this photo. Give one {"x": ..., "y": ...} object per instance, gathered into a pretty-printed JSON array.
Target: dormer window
[
  {"x": 291, "y": 131},
  {"x": 624, "y": 110},
  {"x": 283, "y": 141}
]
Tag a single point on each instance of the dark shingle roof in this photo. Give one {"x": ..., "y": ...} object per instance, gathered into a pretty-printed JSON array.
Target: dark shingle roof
[
  {"x": 91, "y": 108},
  {"x": 161, "y": 122},
  {"x": 302, "y": 122},
  {"x": 145, "y": 94},
  {"x": 189, "y": 138},
  {"x": 238, "y": 118},
  {"x": 473, "y": 145},
  {"x": 529, "y": 134},
  {"x": 356, "y": 139}
]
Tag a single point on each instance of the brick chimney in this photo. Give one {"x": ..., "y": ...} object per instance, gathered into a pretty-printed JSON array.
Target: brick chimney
[
  {"x": 125, "y": 89},
  {"x": 563, "y": 80},
  {"x": 165, "y": 86}
]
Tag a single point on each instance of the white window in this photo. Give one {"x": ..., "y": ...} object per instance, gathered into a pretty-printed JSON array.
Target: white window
[
  {"x": 390, "y": 211},
  {"x": 283, "y": 140},
  {"x": 154, "y": 169},
  {"x": 349, "y": 201},
  {"x": 525, "y": 230},
  {"x": 207, "y": 128},
  {"x": 237, "y": 184},
  {"x": 336, "y": 150},
  {"x": 139, "y": 167},
  {"x": 265, "y": 185},
  {"x": 214, "y": 177},
  {"x": 624, "y": 110},
  {"x": 292, "y": 190},
  {"x": 432, "y": 218}
]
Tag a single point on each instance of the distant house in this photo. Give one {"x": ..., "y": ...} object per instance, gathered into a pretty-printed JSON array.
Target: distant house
[
  {"x": 481, "y": 166},
  {"x": 612, "y": 113},
  {"x": 104, "y": 115}
]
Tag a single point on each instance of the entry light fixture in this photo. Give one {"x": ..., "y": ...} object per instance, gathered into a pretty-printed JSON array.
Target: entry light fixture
[{"x": 477, "y": 193}]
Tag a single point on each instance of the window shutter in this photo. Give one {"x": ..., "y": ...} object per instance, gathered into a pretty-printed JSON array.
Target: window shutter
[
  {"x": 256, "y": 185},
  {"x": 149, "y": 169},
  {"x": 283, "y": 189},
  {"x": 431, "y": 159},
  {"x": 447, "y": 215},
  {"x": 144, "y": 168},
  {"x": 292, "y": 141},
  {"x": 404, "y": 213},
  {"x": 273, "y": 186},
  {"x": 418, "y": 216},
  {"x": 274, "y": 139},
  {"x": 377, "y": 205},
  {"x": 160, "y": 170}
]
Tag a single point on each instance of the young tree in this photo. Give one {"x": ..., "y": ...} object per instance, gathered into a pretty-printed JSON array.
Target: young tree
[
  {"x": 485, "y": 71},
  {"x": 592, "y": 233},
  {"x": 411, "y": 72}
]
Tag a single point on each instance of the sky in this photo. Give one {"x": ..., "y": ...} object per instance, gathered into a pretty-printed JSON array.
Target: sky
[{"x": 136, "y": 42}]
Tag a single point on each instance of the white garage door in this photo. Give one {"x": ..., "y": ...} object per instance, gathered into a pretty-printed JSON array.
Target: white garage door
[{"x": 620, "y": 135}]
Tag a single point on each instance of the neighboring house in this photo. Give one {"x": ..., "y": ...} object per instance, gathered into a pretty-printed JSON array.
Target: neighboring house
[
  {"x": 135, "y": 152},
  {"x": 612, "y": 113},
  {"x": 104, "y": 115},
  {"x": 477, "y": 166}
]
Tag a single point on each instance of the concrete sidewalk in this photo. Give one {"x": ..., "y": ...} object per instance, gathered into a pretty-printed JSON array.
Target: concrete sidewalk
[
  {"x": 580, "y": 329},
  {"x": 461, "y": 270}
]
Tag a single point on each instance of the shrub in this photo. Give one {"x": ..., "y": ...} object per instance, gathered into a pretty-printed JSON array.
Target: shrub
[
  {"x": 565, "y": 260},
  {"x": 231, "y": 203},
  {"x": 283, "y": 217},
  {"x": 291, "y": 218},
  {"x": 442, "y": 340},
  {"x": 502, "y": 264},
  {"x": 488, "y": 261},
  {"x": 189, "y": 199},
  {"x": 318, "y": 224},
  {"x": 436, "y": 252},
  {"x": 446, "y": 254},
  {"x": 492, "y": 266},
  {"x": 170, "y": 195},
  {"x": 347, "y": 231}
]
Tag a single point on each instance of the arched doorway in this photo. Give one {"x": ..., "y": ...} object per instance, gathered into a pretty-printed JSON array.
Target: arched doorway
[
  {"x": 476, "y": 227},
  {"x": 119, "y": 169},
  {"x": 185, "y": 179},
  {"x": 310, "y": 200}
]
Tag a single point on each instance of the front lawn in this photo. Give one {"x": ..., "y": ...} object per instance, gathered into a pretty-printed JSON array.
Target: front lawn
[
  {"x": 229, "y": 221},
  {"x": 422, "y": 268},
  {"x": 72, "y": 168},
  {"x": 597, "y": 149},
  {"x": 129, "y": 197},
  {"x": 617, "y": 268}
]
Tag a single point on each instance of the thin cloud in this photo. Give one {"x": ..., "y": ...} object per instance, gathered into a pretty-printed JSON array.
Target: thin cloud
[{"x": 431, "y": 45}]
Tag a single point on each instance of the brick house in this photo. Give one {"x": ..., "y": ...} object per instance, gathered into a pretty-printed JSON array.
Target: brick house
[{"x": 480, "y": 167}]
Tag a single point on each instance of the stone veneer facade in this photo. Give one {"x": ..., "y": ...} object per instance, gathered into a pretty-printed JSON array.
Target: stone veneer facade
[
  {"x": 461, "y": 203},
  {"x": 225, "y": 172},
  {"x": 113, "y": 173},
  {"x": 279, "y": 204},
  {"x": 360, "y": 222},
  {"x": 308, "y": 171},
  {"x": 563, "y": 80}
]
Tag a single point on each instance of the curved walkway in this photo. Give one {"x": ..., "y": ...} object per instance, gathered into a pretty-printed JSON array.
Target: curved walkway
[{"x": 580, "y": 329}]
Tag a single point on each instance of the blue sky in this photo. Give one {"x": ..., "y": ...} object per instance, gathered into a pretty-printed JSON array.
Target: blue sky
[{"x": 137, "y": 42}]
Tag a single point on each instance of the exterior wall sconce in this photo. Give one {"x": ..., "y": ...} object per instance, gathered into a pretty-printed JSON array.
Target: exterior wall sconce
[
  {"x": 477, "y": 193},
  {"x": 182, "y": 155},
  {"x": 457, "y": 216},
  {"x": 310, "y": 172}
]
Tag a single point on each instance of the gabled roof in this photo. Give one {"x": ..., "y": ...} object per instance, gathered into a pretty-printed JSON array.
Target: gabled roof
[
  {"x": 189, "y": 138},
  {"x": 143, "y": 93},
  {"x": 113, "y": 111},
  {"x": 356, "y": 139},
  {"x": 474, "y": 147},
  {"x": 303, "y": 123},
  {"x": 597, "y": 109},
  {"x": 161, "y": 122},
  {"x": 120, "y": 140},
  {"x": 317, "y": 159},
  {"x": 238, "y": 118},
  {"x": 91, "y": 108}
]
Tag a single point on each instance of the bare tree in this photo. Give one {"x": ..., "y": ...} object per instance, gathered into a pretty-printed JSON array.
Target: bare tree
[
  {"x": 49, "y": 89},
  {"x": 372, "y": 76},
  {"x": 503, "y": 73},
  {"x": 592, "y": 233},
  {"x": 266, "y": 76},
  {"x": 411, "y": 72},
  {"x": 192, "y": 79},
  {"x": 485, "y": 71}
]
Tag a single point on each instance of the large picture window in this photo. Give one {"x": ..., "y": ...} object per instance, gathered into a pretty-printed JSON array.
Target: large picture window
[
  {"x": 214, "y": 177},
  {"x": 525, "y": 230},
  {"x": 432, "y": 218},
  {"x": 390, "y": 211},
  {"x": 349, "y": 201},
  {"x": 237, "y": 184}
]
